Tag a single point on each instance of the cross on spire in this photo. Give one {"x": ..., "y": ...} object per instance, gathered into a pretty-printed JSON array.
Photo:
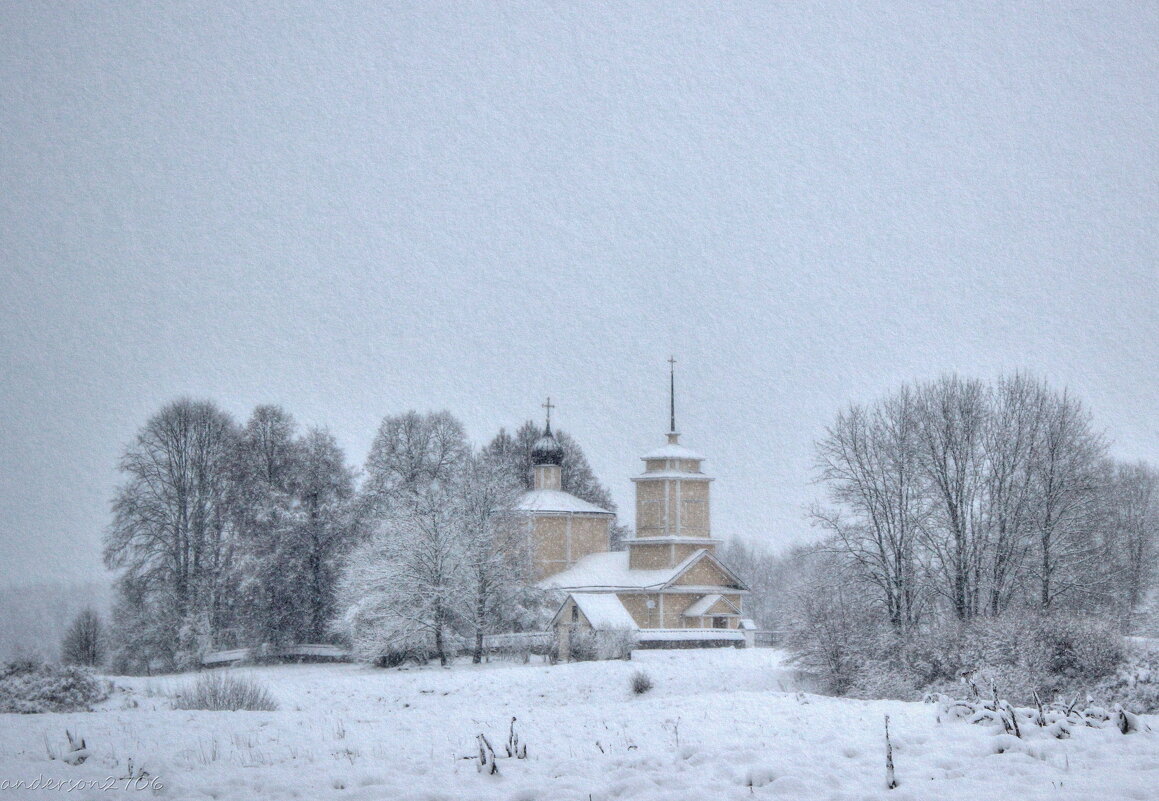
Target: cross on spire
[
  {"x": 549, "y": 406},
  {"x": 672, "y": 394}
]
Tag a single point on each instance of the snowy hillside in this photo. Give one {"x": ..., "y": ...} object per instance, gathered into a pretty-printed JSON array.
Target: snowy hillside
[{"x": 718, "y": 725}]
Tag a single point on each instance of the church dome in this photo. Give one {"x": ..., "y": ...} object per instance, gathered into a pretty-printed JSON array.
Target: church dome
[{"x": 547, "y": 450}]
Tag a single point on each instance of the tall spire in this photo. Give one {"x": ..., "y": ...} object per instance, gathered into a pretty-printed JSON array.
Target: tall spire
[
  {"x": 549, "y": 406},
  {"x": 671, "y": 394}
]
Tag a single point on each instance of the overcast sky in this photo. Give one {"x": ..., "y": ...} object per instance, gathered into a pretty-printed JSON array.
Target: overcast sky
[{"x": 354, "y": 210}]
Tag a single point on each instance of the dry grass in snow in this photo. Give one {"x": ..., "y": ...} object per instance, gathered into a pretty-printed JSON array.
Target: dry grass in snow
[{"x": 716, "y": 725}]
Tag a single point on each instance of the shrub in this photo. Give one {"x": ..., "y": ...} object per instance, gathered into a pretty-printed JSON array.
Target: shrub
[
  {"x": 1019, "y": 654},
  {"x": 219, "y": 692},
  {"x": 1082, "y": 649},
  {"x": 1135, "y": 684},
  {"x": 604, "y": 644},
  {"x": 641, "y": 682},
  {"x": 878, "y": 679},
  {"x": 27, "y": 686}
]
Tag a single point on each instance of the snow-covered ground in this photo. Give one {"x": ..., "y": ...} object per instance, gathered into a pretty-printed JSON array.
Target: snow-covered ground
[{"x": 718, "y": 725}]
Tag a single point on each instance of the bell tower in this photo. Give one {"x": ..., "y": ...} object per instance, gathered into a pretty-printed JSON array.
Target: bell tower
[{"x": 672, "y": 501}]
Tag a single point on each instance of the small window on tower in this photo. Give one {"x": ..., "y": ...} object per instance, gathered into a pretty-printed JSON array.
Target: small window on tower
[
  {"x": 575, "y": 614},
  {"x": 719, "y": 623}
]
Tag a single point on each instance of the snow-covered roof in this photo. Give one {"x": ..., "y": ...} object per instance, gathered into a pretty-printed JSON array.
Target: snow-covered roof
[
  {"x": 610, "y": 571},
  {"x": 702, "y": 606},
  {"x": 546, "y": 500},
  {"x": 603, "y": 610},
  {"x": 673, "y": 474},
  {"x": 607, "y": 571},
  {"x": 672, "y": 451}
]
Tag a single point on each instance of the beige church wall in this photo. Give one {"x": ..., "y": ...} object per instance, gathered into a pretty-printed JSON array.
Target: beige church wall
[
  {"x": 649, "y": 508},
  {"x": 693, "y": 518},
  {"x": 588, "y": 535},
  {"x": 637, "y": 606},
  {"x": 694, "y": 490},
  {"x": 682, "y": 552},
  {"x": 654, "y": 465},
  {"x": 548, "y": 477},
  {"x": 650, "y": 490},
  {"x": 543, "y": 569},
  {"x": 648, "y": 557},
  {"x": 550, "y": 538},
  {"x": 565, "y": 627},
  {"x": 550, "y": 546},
  {"x": 565, "y": 620},
  {"x": 674, "y": 606},
  {"x": 704, "y": 574},
  {"x": 694, "y": 509}
]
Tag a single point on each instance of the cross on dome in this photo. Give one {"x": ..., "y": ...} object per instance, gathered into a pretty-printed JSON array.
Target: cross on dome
[{"x": 549, "y": 406}]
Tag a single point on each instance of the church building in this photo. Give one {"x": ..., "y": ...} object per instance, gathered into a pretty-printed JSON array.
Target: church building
[{"x": 667, "y": 587}]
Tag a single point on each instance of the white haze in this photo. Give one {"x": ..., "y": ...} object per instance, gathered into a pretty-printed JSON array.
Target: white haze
[{"x": 351, "y": 210}]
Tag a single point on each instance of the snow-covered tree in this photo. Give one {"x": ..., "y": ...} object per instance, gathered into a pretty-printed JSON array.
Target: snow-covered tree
[
  {"x": 268, "y": 517},
  {"x": 577, "y": 475},
  {"x": 444, "y": 565},
  {"x": 404, "y": 585},
  {"x": 496, "y": 549},
  {"x": 983, "y": 495},
  {"x": 294, "y": 527},
  {"x": 410, "y": 452}
]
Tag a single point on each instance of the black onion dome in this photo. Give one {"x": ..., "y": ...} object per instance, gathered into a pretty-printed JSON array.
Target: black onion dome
[{"x": 547, "y": 450}]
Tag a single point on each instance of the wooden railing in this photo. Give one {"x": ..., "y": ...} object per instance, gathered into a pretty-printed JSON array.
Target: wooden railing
[{"x": 299, "y": 651}]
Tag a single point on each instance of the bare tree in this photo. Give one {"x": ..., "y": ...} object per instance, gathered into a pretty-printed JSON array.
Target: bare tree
[
  {"x": 1011, "y": 443},
  {"x": 951, "y": 416},
  {"x": 868, "y": 460},
  {"x": 324, "y": 486},
  {"x": 1065, "y": 490},
  {"x": 171, "y": 529},
  {"x": 84, "y": 642},
  {"x": 829, "y": 623},
  {"x": 1132, "y": 506}
]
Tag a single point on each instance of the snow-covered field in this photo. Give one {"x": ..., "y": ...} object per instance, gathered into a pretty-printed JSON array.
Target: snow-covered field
[{"x": 717, "y": 725}]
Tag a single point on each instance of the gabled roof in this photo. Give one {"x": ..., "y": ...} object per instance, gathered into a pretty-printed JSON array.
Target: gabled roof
[
  {"x": 546, "y": 500},
  {"x": 602, "y": 609},
  {"x": 610, "y": 571},
  {"x": 703, "y": 553},
  {"x": 706, "y": 603}
]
